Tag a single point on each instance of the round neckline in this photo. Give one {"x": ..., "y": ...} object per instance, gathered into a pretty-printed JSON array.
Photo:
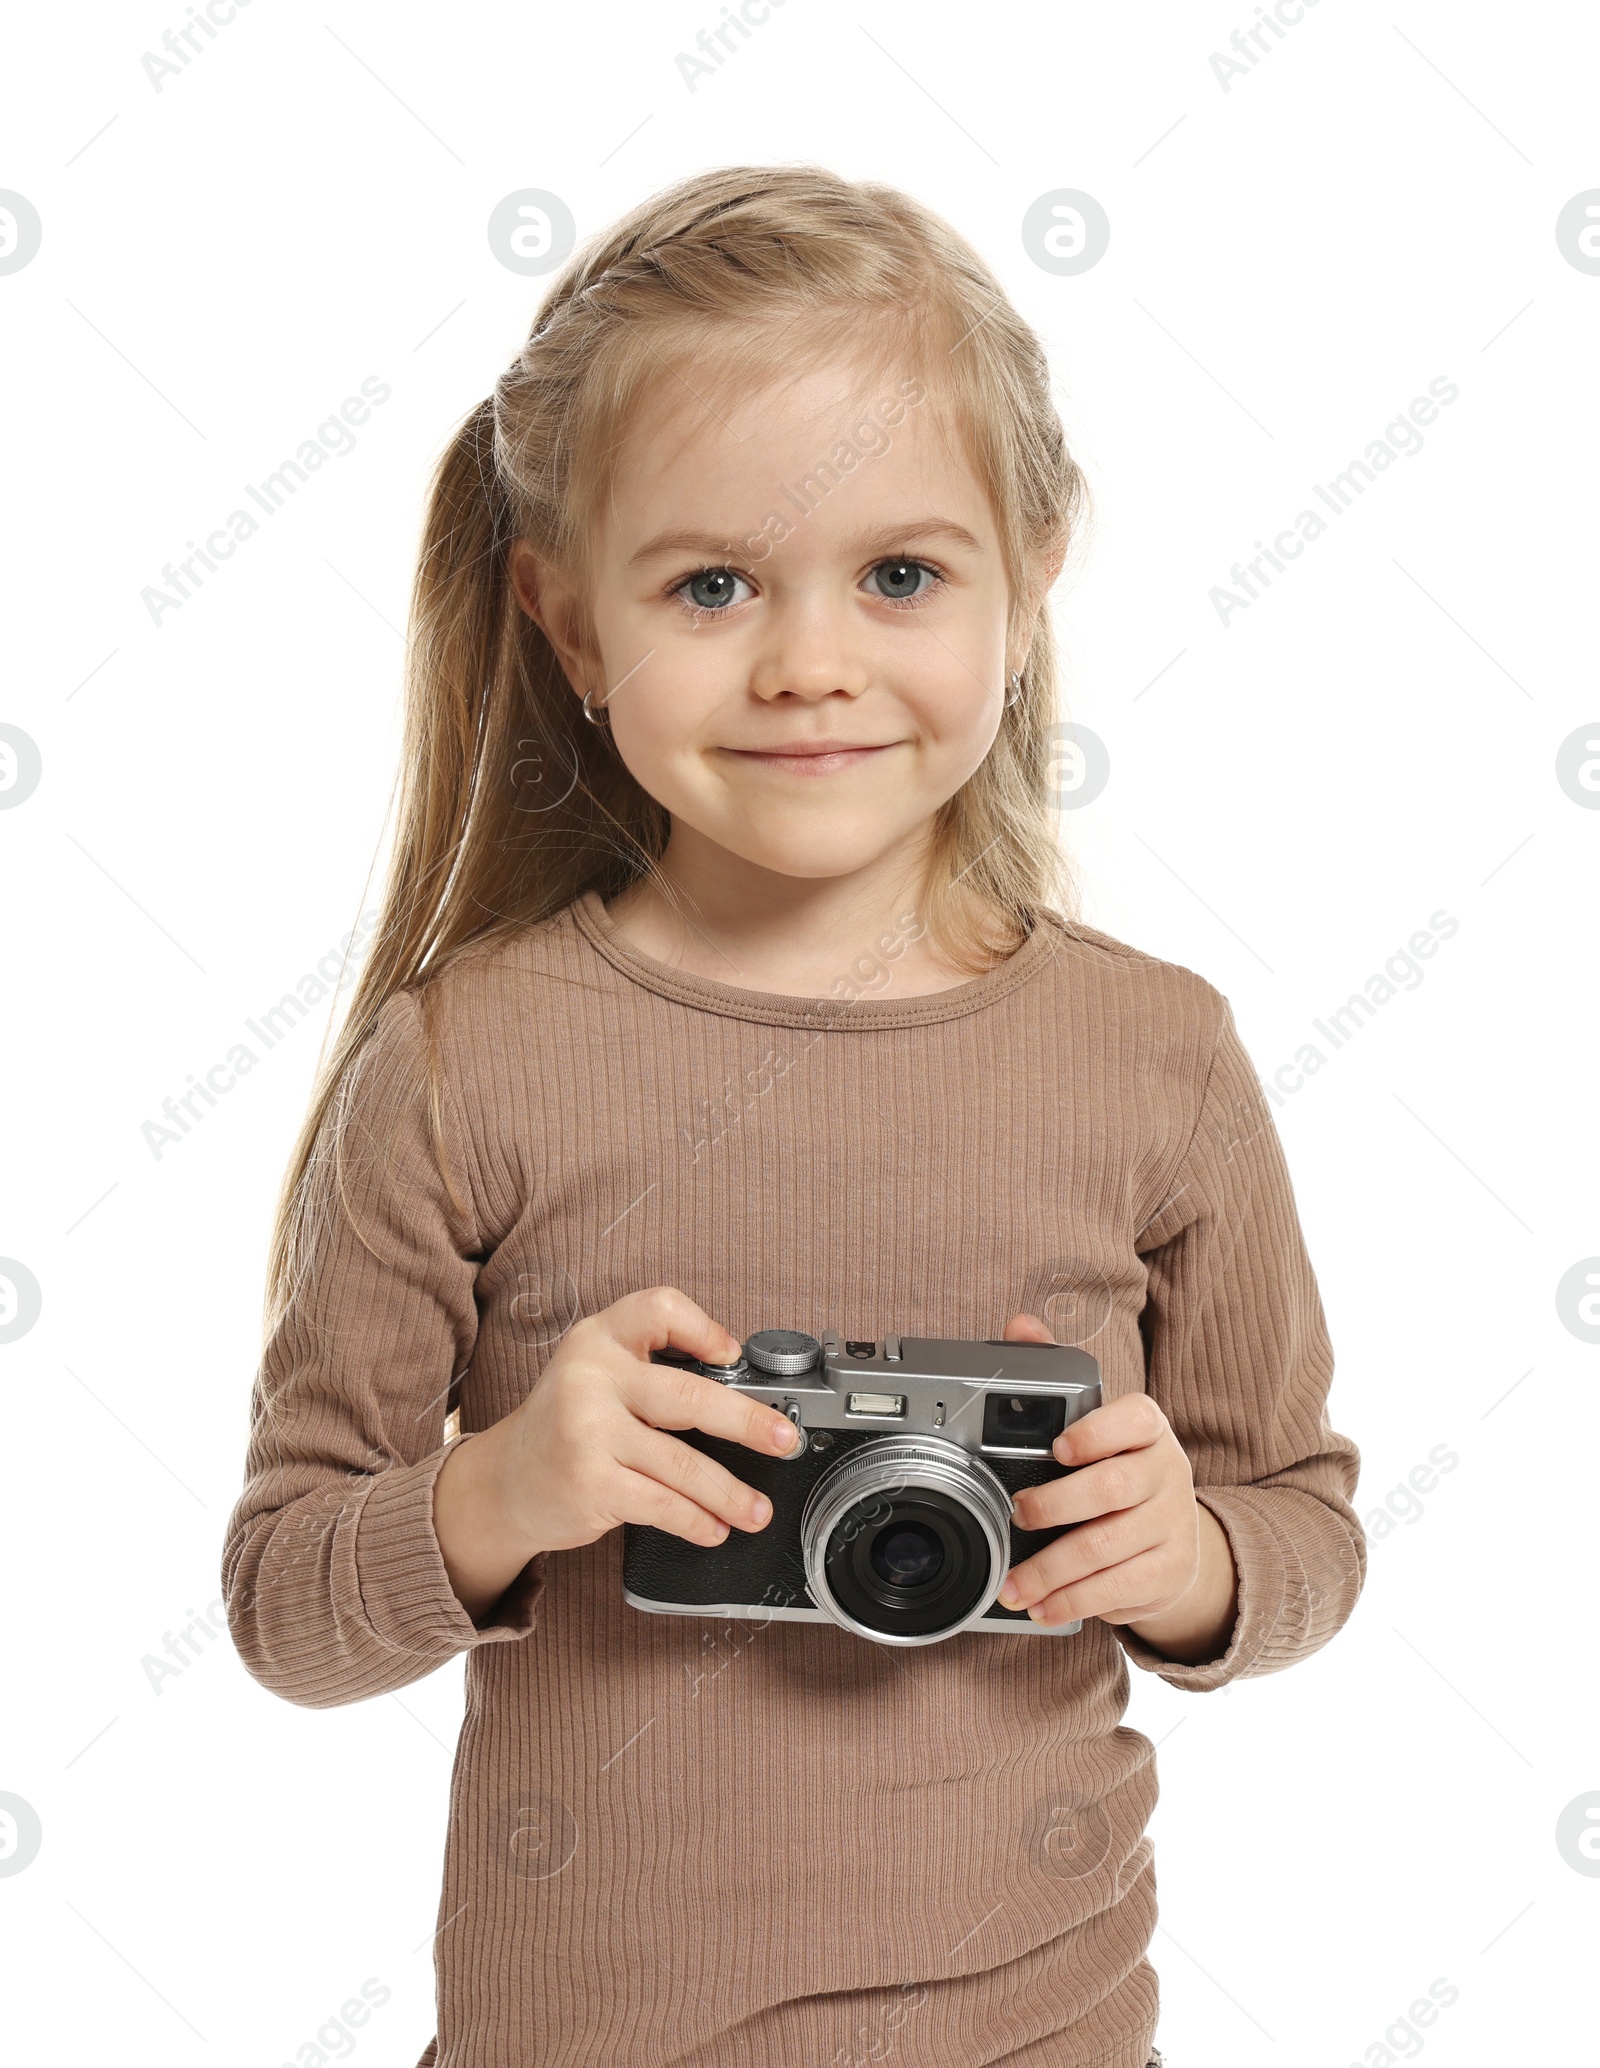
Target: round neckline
[{"x": 785, "y": 1009}]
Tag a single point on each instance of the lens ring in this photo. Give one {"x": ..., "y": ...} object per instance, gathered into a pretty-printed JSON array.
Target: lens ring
[{"x": 919, "y": 1466}]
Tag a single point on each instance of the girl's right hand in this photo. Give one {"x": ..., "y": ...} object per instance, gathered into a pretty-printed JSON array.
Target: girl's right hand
[{"x": 588, "y": 1448}]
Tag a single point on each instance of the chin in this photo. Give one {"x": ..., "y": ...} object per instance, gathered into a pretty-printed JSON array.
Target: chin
[{"x": 813, "y": 861}]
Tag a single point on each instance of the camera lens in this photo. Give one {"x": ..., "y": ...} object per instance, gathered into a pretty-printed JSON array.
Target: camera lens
[
  {"x": 906, "y": 1539},
  {"x": 907, "y": 1555},
  {"x": 917, "y": 1572}
]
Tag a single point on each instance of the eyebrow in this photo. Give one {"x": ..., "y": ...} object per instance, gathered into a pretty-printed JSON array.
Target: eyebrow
[
  {"x": 885, "y": 536},
  {"x": 703, "y": 542},
  {"x": 916, "y": 528}
]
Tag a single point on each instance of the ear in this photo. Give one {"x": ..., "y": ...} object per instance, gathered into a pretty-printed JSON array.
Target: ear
[
  {"x": 547, "y": 597},
  {"x": 1053, "y": 563},
  {"x": 1046, "y": 570}
]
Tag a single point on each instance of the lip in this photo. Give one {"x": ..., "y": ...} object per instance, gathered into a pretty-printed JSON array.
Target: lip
[{"x": 813, "y": 757}]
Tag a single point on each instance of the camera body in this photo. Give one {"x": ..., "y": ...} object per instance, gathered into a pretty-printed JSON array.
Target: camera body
[{"x": 892, "y": 1517}]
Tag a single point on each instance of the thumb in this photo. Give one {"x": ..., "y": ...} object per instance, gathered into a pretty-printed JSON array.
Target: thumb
[{"x": 1026, "y": 1328}]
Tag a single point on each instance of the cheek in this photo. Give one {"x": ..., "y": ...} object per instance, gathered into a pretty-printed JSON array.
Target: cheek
[
  {"x": 955, "y": 684},
  {"x": 959, "y": 719},
  {"x": 660, "y": 712}
]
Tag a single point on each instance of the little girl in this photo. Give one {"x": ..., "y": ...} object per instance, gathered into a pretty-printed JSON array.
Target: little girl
[{"x": 727, "y": 980}]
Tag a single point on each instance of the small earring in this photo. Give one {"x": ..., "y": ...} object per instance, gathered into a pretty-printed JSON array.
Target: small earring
[
  {"x": 589, "y": 712},
  {"x": 1016, "y": 690}
]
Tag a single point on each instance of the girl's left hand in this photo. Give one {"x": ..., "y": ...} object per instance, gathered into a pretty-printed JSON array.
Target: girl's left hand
[{"x": 1143, "y": 1551}]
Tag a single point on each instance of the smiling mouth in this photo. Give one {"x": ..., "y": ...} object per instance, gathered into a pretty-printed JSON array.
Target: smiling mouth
[{"x": 812, "y": 757}]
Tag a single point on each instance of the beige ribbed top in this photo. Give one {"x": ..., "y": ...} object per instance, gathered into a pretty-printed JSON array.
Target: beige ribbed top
[{"x": 723, "y": 1844}]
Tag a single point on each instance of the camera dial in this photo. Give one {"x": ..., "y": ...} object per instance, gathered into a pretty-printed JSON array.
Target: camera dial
[{"x": 783, "y": 1353}]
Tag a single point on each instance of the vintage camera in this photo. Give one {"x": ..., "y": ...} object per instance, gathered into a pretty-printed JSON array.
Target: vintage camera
[{"x": 893, "y": 1515}]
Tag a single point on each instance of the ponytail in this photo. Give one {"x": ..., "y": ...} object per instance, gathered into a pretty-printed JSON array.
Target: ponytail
[{"x": 509, "y": 804}]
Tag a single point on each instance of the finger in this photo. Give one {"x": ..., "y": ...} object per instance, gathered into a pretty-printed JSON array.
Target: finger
[
  {"x": 664, "y": 1318},
  {"x": 1093, "y": 1548},
  {"x": 1141, "y": 1586},
  {"x": 701, "y": 1480},
  {"x": 667, "y": 1397},
  {"x": 1120, "y": 1481},
  {"x": 1026, "y": 1328},
  {"x": 639, "y": 1498},
  {"x": 1131, "y": 1423}
]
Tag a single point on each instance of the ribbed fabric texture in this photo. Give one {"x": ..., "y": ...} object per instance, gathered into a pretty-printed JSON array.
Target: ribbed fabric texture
[{"x": 683, "y": 1842}]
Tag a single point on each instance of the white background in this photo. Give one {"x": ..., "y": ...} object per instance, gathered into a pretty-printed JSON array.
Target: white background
[{"x": 1292, "y": 795}]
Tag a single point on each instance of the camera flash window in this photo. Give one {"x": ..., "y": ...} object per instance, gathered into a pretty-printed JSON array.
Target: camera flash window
[{"x": 892, "y": 1405}]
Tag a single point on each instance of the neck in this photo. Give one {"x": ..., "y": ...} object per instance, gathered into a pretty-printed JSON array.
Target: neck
[{"x": 712, "y": 914}]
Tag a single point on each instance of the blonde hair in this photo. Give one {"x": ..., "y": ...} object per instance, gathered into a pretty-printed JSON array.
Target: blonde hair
[{"x": 736, "y": 276}]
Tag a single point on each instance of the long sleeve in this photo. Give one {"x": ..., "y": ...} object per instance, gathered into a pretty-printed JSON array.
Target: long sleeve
[
  {"x": 1239, "y": 1360},
  {"x": 335, "y": 1586}
]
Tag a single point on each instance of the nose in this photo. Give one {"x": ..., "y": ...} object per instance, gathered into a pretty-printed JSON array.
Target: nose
[{"x": 811, "y": 650}]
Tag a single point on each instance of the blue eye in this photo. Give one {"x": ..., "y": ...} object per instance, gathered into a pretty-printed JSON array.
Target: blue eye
[
  {"x": 896, "y": 579},
  {"x": 709, "y": 591}
]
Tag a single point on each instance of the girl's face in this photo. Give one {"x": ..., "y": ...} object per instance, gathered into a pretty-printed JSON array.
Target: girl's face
[{"x": 801, "y": 618}]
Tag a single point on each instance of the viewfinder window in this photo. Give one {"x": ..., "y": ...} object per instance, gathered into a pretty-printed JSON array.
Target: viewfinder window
[{"x": 1022, "y": 1421}]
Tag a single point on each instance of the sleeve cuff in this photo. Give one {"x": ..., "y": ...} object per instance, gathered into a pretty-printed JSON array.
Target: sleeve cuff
[
  {"x": 405, "y": 1588},
  {"x": 1270, "y": 1581}
]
